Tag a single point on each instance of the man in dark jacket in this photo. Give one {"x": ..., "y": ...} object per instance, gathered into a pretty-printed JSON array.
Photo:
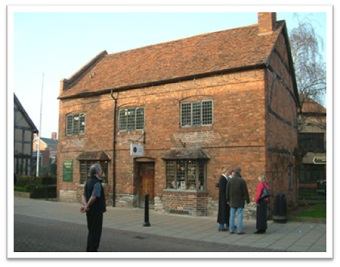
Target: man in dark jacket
[
  {"x": 94, "y": 205},
  {"x": 223, "y": 207},
  {"x": 237, "y": 195}
]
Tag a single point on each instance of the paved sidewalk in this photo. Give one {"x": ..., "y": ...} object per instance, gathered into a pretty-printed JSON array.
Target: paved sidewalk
[{"x": 285, "y": 237}]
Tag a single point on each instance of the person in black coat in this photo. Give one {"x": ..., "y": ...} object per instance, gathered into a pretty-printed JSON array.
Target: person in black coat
[
  {"x": 223, "y": 207},
  {"x": 94, "y": 206}
]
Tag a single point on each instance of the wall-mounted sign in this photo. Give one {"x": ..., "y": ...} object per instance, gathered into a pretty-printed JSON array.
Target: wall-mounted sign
[
  {"x": 68, "y": 170},
  {"x": 136, "y": 150}
]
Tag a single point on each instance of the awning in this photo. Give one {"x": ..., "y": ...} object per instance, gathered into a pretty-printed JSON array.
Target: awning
[
  {"x": 186, "y": 154},
  {"x": 93, "y": 155}
]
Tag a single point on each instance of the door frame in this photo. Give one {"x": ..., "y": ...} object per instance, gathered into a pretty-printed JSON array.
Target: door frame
[{"x": 138, "y": 163}]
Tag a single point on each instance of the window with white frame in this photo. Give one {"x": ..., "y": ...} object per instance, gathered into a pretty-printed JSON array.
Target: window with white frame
[
  {"x": 131, "y": 119},
  {"x": 198, "y": 113},
  {"x": 75, "y": 124}
]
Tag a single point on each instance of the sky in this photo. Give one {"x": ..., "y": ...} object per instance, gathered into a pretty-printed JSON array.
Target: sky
[{"x": 48, "y": 44}]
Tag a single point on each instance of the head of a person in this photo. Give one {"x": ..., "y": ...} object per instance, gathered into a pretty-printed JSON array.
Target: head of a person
[
  {"x": 95, "y": 170},
  {"x": 262, "y": 178},
  {"x": 237, "y": 171},
  {"x": 225, "y": 171}
]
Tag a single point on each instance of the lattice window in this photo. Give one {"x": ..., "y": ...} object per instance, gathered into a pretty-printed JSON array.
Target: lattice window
[
  {"x": 75, "y": 124},
  {"x": 185, "y": 174},
  {"x": 84, "y": 170},
  {"x": 197, "y": 113},
  {"x": 131, "y": 119}
]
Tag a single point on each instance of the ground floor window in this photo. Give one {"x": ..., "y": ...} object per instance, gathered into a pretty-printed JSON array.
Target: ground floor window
[
  {"x": 84, "y": 169},
  {"x": 185, "y": 174},
  {"x": 311, "y": 173}
]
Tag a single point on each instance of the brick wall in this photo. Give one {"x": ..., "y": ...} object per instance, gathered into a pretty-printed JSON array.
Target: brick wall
[{"x": 239, "y": 136}]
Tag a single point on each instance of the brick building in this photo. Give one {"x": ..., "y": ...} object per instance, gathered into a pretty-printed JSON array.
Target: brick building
[
  {"x": 47, "y": 150},
  {"x": 164, "y": 119}
]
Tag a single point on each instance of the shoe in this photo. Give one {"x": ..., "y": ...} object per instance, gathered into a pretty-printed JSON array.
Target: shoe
[
  {"x": 223, "y": 230},
  {"x": 241, "y": 233},
  {"x": 260, "y": 232},
  {"x": 232, "y": 233}
]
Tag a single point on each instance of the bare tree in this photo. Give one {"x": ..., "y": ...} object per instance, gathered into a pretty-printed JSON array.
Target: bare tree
[{"x": 310, "y": 68}]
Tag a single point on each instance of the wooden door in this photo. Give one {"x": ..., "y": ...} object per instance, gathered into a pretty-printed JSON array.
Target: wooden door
[{"x": 146, "y": 182}]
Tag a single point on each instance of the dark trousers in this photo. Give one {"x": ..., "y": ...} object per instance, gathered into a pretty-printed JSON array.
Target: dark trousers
[
  {"x": 261, "y": 215},
  {"x": 94, "y": 226}
]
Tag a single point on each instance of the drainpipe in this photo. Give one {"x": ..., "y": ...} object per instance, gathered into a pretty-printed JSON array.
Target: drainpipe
[{"x": 114, "y": 151}]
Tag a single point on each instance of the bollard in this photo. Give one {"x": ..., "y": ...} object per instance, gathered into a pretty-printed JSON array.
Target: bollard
[{"x": 146, "y": 212}]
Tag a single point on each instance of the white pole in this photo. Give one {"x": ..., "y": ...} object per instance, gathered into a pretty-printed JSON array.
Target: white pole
[{"x": 38, "y": 144}]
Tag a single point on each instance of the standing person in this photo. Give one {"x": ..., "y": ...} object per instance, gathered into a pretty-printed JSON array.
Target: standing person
[
  {"x": 237, "y": 195},
  {"x": 223, "y": 207},
  {"x": 261, "y": 205},
  {"x": 94, "y": 205}
]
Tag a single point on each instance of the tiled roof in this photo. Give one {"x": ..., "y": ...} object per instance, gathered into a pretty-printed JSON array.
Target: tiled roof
[
  {"x": 310, "y": 106},
  {"x": 197, "y": 56},
  {"x": 49, "y": 141}
]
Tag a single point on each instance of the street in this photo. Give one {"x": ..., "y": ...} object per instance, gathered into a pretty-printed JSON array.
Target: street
[{"x": 33, "y": 234}]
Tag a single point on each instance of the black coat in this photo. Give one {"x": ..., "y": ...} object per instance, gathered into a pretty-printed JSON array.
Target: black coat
[{"x": 223, "y": 207}]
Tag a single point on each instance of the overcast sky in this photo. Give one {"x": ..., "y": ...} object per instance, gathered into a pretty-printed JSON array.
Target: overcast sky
[{"x": 48, "y": 44}]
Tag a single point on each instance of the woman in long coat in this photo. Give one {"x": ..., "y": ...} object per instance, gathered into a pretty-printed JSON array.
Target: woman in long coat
[
  {"x": 223, "y": 207},
  {"x": 261, "y": 206}
]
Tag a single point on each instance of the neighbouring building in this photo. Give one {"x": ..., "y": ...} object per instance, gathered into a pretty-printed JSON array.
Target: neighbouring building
[
  {"x": 312, "y": 144},
  {"x": 24, "y": 129},
  {"x": 48, "y": 152},
  {"x": 162, "y": 120}
]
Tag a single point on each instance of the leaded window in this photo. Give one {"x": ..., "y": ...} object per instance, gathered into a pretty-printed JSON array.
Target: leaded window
[
  {"x": 185, "y": 174},
  {"x": 85, "y": 166},
  {"x": 131, "y": 119},
  {"x": 75, "y": 124},
  {"x": 199, "y": 113}
]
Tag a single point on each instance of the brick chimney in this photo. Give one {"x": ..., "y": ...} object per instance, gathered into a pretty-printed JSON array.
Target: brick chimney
[
  {"x": 267, "y": 22},
  {"x": 54, "y": 136}
]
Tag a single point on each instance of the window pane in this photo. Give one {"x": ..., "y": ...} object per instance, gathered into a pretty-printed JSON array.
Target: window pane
[
  {"x": 69, "y": 123},
  {"x": 196, "y": 114},
  {"x": 201, "y": 175},
  {"x": 139, "y": 118},
  {"x": 191, "y": 177},
  {"x": 131, "y": 119},
  {"x": 81, "y": 123},
  {"x": 186, "y": 114},
  {"x": 83, "y": 172},
  {"x": 122, "y": 120},
  {"x": 207, "y": 113},
  {"x": 171, "y": 174},
  {"x": 76, "y": 124}
]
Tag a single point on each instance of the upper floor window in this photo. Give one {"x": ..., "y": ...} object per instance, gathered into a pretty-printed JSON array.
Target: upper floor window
[
  {"x": 198, "y": 113},
  {"x": 75, "y": 124},
  {"x": 131, "y": 119}
]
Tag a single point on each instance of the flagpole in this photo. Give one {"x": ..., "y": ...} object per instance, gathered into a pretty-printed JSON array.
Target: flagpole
[{"x": 39, "y": 133}]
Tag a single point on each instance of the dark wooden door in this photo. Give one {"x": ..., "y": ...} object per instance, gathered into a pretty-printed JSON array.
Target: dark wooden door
[{"x": 146, "y": 182}]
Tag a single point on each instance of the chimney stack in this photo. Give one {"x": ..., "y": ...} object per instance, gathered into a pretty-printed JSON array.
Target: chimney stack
[
  {"x": 54, "y": 136},
  {"x": 266, "y": 22}
]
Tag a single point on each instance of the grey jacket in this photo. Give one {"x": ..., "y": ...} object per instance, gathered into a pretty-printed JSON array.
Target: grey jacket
[{"x": 237, "y": 192}]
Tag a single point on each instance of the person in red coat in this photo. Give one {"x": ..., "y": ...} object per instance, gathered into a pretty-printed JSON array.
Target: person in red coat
[{"x": 261, "y": 205}]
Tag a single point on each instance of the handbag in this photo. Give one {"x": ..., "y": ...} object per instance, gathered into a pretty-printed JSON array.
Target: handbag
[{"x": 265, "y": 193}]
